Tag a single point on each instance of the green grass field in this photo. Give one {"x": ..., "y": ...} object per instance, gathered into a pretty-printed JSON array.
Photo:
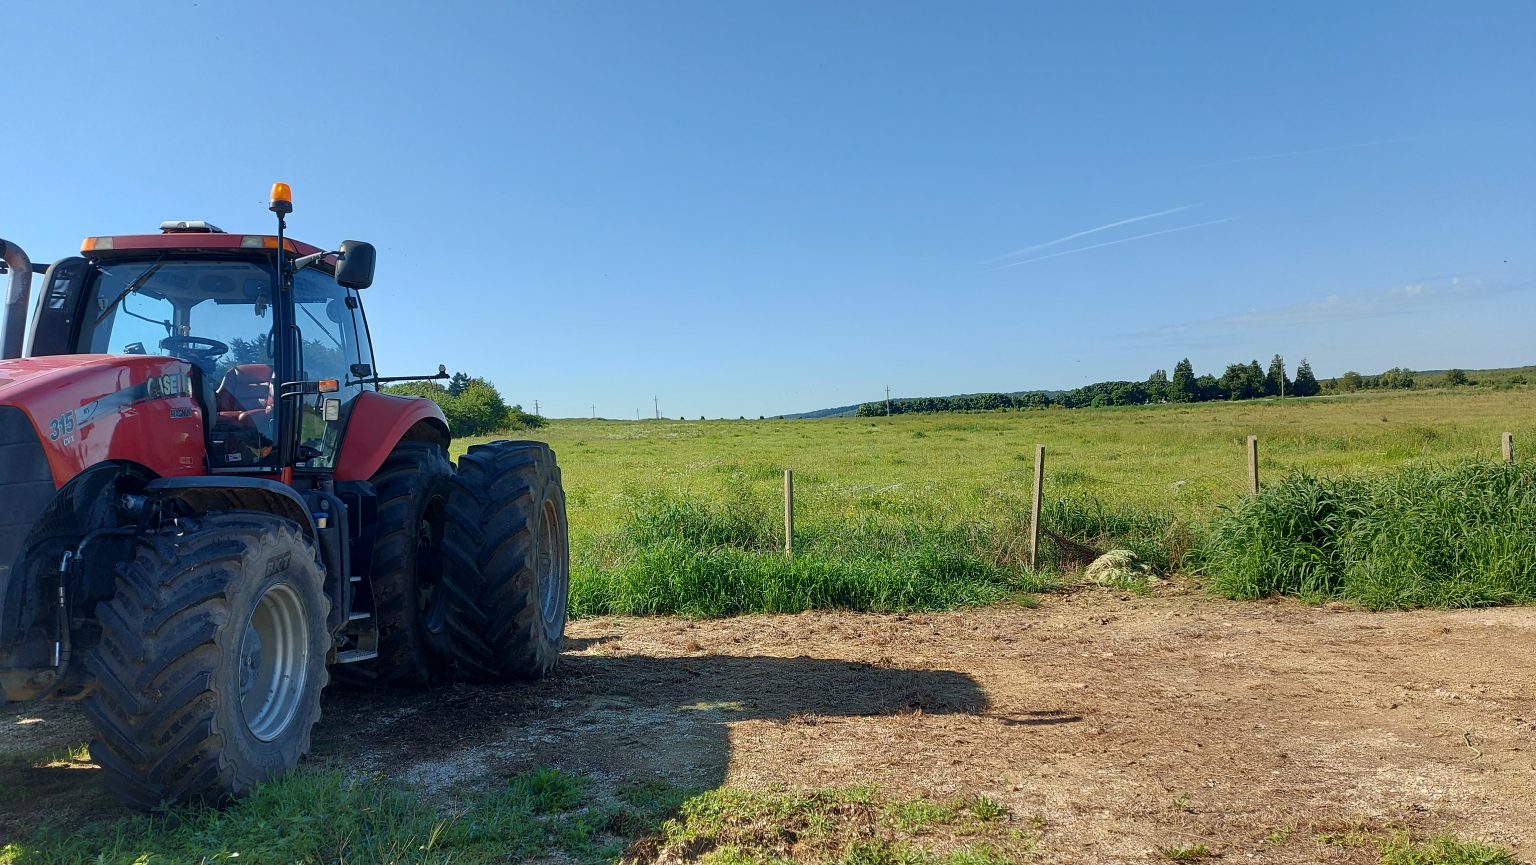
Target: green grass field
[{"x": 931, "y": 511}]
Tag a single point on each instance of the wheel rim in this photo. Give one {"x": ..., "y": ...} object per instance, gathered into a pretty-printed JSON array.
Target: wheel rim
[
  {"x": 274, "y": 662},
  {"x": 551, "y": 570}
]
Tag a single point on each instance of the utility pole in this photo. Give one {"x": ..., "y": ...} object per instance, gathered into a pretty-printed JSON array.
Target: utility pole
[
  {"x": 887, "y": 400},
  {"x": 535, "y": 406},
  {"x": 594, "y": 411},
  {"x": 656, "y": 403}
]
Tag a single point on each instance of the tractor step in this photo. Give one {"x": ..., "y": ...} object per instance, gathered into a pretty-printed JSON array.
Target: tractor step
[
  {"x": 358, "y": 616},
  {"x": 352, "y": 656},
  {"x": 354, "y": 579}
]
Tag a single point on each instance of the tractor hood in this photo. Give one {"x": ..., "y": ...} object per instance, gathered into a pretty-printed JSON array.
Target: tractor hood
[{"x": 26, "y": 374}]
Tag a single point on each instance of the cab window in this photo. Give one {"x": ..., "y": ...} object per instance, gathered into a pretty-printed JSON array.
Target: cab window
[{"x": 334, "y": 339}]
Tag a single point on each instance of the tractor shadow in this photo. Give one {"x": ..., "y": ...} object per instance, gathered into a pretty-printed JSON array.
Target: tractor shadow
[
  {"x": 624, "y": 717},
  {"x": 617, "y": 718},
  {"x": 45, "y": 774}
]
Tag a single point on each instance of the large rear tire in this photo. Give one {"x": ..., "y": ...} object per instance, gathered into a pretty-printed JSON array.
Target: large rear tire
[
  {"x": 508, "y": 561},
  {"x": 406, "y": 574},
  {"x": 211, "y": 661}
]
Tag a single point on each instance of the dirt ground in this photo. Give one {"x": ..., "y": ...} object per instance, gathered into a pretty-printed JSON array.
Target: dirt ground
[{"x": 1114, "y": 724}]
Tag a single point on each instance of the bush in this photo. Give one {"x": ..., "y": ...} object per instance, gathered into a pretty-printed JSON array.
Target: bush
[
  {"x": 473, "y": 406},
  {"x": 1424, "y": 536}
]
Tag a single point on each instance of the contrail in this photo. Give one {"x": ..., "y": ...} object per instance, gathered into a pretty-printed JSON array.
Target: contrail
[
  {"x": 1028, "y": 249},
  {"x": 1290, "y": 153},
  {"x": 1109, "y": 243}
]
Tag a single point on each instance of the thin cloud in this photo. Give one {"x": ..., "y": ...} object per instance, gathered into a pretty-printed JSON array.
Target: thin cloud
[
  {"x": 1028, "y": 249},
  {"x": 1109, "y": 243},
  {"x": 1290, "y": 153},
  {"x": 1398, "y": 300}
]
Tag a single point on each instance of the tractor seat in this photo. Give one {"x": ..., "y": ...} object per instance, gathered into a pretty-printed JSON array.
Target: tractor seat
[{"x": 245, "y": 391}]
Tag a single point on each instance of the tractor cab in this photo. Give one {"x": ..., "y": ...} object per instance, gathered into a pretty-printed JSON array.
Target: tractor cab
[
  {"x": 272, "y": 332},
  {"x": 220, "y": 313}
]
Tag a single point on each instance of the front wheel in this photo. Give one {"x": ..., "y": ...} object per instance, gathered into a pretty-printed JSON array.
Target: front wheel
[
  {"x": 507, "y": 561},
  {"x": 211, "y": 660}
]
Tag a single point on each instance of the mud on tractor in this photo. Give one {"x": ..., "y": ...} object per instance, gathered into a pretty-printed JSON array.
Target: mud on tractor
[{"x": 208, "y": 510}]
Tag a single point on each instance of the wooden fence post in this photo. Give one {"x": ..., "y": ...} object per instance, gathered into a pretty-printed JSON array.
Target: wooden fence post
[
  {"x": 789, "y": 513},
  {"x": 1034, "y": 509},
  {"x": 1509, "y": 447},
  {"x": 1253, "y": 465}
]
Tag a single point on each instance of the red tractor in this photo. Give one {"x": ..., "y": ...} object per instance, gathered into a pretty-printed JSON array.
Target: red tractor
[{"x": 205, "y": 502}]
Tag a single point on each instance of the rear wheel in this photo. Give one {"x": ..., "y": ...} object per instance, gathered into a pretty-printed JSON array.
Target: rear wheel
[
  {"x": 211, "y": 660},
  {"x": 508, "y": 561},
  {"x": 406, "y": 573}
]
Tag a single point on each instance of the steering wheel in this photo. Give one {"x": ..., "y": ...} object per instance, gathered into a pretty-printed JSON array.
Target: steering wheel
[{"x": 197, "y": 349}]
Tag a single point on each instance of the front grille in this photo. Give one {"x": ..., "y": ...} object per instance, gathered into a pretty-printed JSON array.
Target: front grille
[{"x": 26, "y": 487}]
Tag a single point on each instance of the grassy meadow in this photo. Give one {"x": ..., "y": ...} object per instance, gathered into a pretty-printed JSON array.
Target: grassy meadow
[{"x": 932, "y": 511}]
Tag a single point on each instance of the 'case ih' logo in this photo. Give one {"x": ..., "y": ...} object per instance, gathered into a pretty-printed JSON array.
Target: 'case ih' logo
[{"x": 170, "y": 384}]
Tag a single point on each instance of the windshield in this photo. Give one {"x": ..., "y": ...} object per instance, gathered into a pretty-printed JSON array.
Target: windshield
[
  {"x": 217, "y": 316},
  {"x": 214, "y": 314}
]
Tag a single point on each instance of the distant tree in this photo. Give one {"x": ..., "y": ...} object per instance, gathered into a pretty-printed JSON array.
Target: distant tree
[
  {"x": 1243, "y": 381},
  {"x": 429, "y": 389},
  {"x": 1208, "y": 388},
  {"x": 1275, "y": 382},
  {"x": 1456, "y": 377},
  {"x": 1182, "y": 388},
  {"x": 1157, "y": 386},
  {"x": 1396, "y": 378},
  {"x": 1306, "y": 383},
  {"x": 1350, "y": 382},
  {"x": 477, "y": 409},
  {"x": 457, "y": 384},
  {"x": 242, "y": 350}
]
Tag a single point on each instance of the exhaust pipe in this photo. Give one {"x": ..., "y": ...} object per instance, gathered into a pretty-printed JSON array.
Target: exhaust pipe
[{"x": 16, "y": 300}]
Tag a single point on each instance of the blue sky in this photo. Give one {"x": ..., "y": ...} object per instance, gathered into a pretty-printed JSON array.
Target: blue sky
[{"x": 751, "y": 209}]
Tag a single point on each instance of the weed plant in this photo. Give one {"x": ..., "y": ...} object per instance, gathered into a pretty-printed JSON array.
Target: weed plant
[{"x": 1427, "y": 535}]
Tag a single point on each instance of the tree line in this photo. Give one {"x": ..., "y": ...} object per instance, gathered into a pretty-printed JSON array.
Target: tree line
[
  {"x": 472, "y": 405},
  {"x": 1239, "y": 381}
]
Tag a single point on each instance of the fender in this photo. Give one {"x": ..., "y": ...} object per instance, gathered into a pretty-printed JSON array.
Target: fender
[
  {"x": 376, "y": 422},
  {"x": 204, "y": 494}
]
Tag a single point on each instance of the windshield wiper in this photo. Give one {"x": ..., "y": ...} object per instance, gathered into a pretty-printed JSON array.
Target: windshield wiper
[
  {"x": 322, "y": 327},
  {"x": 137, "y": 284}
]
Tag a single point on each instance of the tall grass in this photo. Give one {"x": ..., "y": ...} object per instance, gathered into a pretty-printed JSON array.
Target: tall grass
[
  {"x": 697, "y": 556},
  {"x": 1448, "y": 535},
  {"x": 723, "y": 554},
  {"x": 1158, "y": 536}
]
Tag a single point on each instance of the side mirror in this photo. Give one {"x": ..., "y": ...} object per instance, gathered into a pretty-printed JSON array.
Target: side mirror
[{"x": 354, "y": 265}]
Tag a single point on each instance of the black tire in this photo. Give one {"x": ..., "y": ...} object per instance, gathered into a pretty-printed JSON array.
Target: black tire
[
  {"x": 414, "y": 643},
  {"x": 186, "y": 707},
  {"x": 508, "y": 561}
]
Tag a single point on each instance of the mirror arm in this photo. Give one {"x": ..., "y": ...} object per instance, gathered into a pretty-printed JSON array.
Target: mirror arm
[
  {"x": 442, "y": 373},
  {"x": 302, "y": 262}
]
